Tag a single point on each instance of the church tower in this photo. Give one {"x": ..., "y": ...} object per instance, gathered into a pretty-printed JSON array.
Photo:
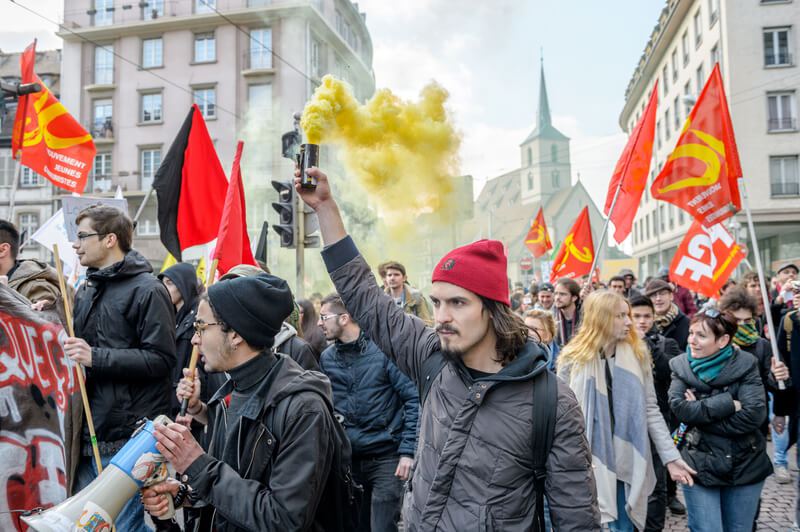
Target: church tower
[{"x": 544, "y": 155}]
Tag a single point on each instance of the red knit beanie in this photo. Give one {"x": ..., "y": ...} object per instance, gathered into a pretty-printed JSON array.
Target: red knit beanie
[{"x": 480, "y": 267}]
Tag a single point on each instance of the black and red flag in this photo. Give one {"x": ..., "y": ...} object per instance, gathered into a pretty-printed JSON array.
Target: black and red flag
[{"x": 191, "y": 188}]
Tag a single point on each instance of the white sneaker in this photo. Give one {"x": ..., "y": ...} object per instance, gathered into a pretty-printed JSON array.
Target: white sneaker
[{"x": 782, "y": 475}]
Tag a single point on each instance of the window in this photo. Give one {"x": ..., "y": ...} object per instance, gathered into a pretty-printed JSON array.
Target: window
[
  {"x": 698, "y": 28},
  {"x": 658, "y": 132},
  {"x": 261, "y": 48},
  {"x": 647, "y": 225},
  {"x": 685, "y": 47},
  {"x": 701, "y": 78},
  {"x": 152, "y": 9},
  {"x": 100, "y": 176},
  {"x": 28, "y": 178},
  {"x": 151, "y": 160},
  {"x": 102, "y": 114},
  {"x": 555, "y": 178},
  {"x": 103, "y": 12},
  {"x": 714, "y": 55},
  {"x": 776, "y": 47},
  {"x": 713, "y": 12},
  {"x": 7, "y": 168},
  {"x": 151, "y": 107},
  {"x": 28, "y": 223},
  {"x": 530, "y": 156},
  {"x": 666, "y": 124},
  {"x": 204, "y": 6},
  {"x": 206, "y": 100},
  {"x": 554, "y": 153},
  {"x": 205, "y": 48},
  {"x": 665, "y": 81},
  {"x": 681, "y": 216},
  {"x": 783, "y": 176},
  {"x": 675, "y": 65},
  {"x": 782, "y": 116},
  {"x": 147, "y": 228},
  {"x": 152, "y": 53},
  {"x": 677, "y": 110},
  {"x": 259, "y": 98},
  {"x": 104, "y": 64},
  {"x": 530, "y": 180},
  {"x": 316, "y": 58},
  {"x": 671, "y": 216}
]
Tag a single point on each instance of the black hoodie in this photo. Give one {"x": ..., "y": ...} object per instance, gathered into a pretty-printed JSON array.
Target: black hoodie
[{"x": 124, "y": 313}]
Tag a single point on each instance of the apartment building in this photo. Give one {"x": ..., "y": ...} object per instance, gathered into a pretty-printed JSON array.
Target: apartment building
[
  {"x": 755, "y": 43},
  {"x": 131, "y": 71}
]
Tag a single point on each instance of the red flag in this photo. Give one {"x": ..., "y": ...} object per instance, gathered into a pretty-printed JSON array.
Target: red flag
[
  {"x": 191, "y": 186},
  {"x": 51, "y": 141},
  {"x": 537, "y": 240},
  {"x": 233, "y": 244},
  {"x": 700, "y": 174},
  {"x": 575, "y": 256},
  {"x": 705, "y": 259},
  {"x": 631, "y": 171}
]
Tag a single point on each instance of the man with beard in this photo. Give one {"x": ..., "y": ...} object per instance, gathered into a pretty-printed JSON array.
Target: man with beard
[
  {"x": 476, "y": 451},
  {"x": 567, "y": 297},
  {"x": 379, "y": 404},
  {"x": 617, "y": 284}
]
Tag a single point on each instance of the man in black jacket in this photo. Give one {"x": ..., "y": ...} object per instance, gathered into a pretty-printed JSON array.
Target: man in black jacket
[
  {"x": 380, "y": 406},
  {"x": 662, "y": 350},
  {"x": 271, "y": 447},
  {"x": 124, "y": 337}
]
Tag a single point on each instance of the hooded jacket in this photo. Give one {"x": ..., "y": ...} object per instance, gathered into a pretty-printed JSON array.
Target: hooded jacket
[
  {"x": 124, "y": 313},
  {"x": 473, "y": 467},
  {"x": 726, "y": 447},
  {"x": 270, "y": 473},
  {"x": 37, "y": 281}
]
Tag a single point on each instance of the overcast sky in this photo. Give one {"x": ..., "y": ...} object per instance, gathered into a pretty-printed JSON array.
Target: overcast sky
[{"x": 487, "y": 55}]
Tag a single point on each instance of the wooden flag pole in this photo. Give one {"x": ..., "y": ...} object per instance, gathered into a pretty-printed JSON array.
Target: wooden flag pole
[
  {"x": 71, "y": 331},
  {"x": 762, "y": 282},
  {"x": 195, "y": 353}
]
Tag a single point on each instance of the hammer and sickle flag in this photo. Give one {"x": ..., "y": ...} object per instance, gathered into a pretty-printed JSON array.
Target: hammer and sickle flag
[
  {"x": 575, "y": 256},
  {"x": 537, "y": 240},
  {"x": 700, "y": 175},
  {"x": 51, "y": 141}
]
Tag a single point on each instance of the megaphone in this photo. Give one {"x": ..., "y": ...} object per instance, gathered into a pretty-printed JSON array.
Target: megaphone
[{"x": 138, "y": 464}]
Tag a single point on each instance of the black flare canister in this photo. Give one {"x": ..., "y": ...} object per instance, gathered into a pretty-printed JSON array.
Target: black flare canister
[{"x": 309, "y": 157}]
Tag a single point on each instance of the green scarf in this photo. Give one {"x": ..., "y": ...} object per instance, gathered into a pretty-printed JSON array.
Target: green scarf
[
  {"x": 746, "y": 335},
  {"x": 708, "y": 368}
]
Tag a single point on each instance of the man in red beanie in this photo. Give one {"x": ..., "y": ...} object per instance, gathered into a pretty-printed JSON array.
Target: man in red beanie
[{"x": 478, "y": 376}]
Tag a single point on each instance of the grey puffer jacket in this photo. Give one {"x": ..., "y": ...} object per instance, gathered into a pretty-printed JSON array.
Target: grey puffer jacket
[{"x": 473, "y": 468}]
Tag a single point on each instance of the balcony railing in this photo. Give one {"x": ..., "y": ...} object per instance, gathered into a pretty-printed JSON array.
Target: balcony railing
[
  {"x": 99, "y": 184},
  {"x": 785, "y": 189},
  {"x": 258, "y": 59},
  {"x": 778, "y": 59},
  {"x": 782, "y": 124}
]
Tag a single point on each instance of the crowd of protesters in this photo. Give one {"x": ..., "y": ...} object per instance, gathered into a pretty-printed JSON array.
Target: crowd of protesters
[{"x": 570, "y": 406}]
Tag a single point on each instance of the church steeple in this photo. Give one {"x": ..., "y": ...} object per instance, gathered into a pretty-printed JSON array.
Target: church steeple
[{"x": 544, "y": 105}]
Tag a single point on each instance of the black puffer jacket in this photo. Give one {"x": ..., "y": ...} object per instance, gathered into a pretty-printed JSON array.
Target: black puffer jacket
[
  {"x": 662, "y": 350},
  {"x": 125, "y": 314},
  {"x": 678, "y": 330},
  {"x": 725, "y": 447}
]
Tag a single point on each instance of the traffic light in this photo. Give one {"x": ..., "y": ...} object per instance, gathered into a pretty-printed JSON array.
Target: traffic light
[{"x": 287, "y": 226}]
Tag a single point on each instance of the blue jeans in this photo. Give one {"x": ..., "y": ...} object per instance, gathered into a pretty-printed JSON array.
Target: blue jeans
[
  {"x": 383, "y": 493},
  {"x": 623, "y": 522},
  {"x": 730, "y": 509},
  {"x": 131, "y": 518},
  {"x": 780, "y": 442}
]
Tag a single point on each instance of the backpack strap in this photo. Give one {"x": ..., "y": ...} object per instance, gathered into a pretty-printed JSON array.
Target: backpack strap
[
  {"x": 431, "y": 367},
  {"x": 545, "y": 403}
]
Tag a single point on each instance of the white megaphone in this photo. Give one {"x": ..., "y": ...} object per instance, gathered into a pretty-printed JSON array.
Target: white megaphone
[{"x": 95, "y": 508}]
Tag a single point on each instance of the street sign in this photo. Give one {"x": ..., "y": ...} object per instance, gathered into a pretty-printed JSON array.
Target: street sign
[{"x": 526, "y": 264}]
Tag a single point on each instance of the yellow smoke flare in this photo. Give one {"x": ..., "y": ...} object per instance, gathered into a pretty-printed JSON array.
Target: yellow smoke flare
[{"x": 403, "y": 153}]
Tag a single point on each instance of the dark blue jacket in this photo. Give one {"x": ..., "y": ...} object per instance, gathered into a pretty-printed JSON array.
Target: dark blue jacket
[{"x": 379, "y": 403}]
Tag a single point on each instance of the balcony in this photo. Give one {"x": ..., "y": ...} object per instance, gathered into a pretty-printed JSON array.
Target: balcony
[
  {"x": 782, "y": 124},
  {"x": 257, "y": 62},
  {"x": 785, "y": 189}
]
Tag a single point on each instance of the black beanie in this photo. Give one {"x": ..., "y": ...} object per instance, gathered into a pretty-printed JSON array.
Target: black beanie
[{"x": 255, "y": 307}]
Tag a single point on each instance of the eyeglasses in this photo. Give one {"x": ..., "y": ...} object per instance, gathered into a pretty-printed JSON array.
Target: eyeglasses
[
  {"x": 712, "y": 313},
  {"x": 84, "y": 236},
  {"x": 200, "y": 326},
  {"x": 326, "y": 317}
]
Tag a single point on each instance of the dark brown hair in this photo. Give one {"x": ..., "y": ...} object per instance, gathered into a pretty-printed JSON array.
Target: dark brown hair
[
  {"x": 737, "y": 298},
  {"x": 9, "y": 235},
  {"x": 335, "y": 302},
  {"x": 719, "y": 323},
  {"x": 510, "y": 330},
  {"x": 107, "y": 220},
  {"x": 393, "y": 265},
  {"x": 571, "y": 285}
]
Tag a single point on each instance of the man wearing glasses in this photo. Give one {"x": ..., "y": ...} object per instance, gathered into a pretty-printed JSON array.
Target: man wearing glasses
[{"x": 124, "y": 338}]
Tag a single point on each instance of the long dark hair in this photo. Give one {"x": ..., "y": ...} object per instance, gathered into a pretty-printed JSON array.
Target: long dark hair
[{"x": 510, "y": 330}]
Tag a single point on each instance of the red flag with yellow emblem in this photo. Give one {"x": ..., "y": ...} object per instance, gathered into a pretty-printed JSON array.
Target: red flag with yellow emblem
[
  {"x": 575, "y": 256},
  {"x": 701, "y": 172},
  {"x": 52, "y": 142},
  {"x": 537, "y": 240}
]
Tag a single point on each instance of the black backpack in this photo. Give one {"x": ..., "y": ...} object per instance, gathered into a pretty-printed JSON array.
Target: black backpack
[{"x": 545, "y": 403}]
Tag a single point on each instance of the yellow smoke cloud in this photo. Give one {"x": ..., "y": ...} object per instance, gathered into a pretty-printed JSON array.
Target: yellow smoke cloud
[{"x": 402, "y": 153}]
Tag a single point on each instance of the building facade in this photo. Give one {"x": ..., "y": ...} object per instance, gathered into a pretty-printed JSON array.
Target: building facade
[
  {"x": 755, "y": 44},
  {"x": 28, "y": 202},
  {"x": 131, "y": 71}
]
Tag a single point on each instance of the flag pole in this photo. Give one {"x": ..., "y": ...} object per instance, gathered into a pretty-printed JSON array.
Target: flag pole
[
  {"x": 760, "y": 269},
  {"x": 81, "y": 383},
  {"x": 607, "y": 222},
  {"x": 212, "y": 272}
]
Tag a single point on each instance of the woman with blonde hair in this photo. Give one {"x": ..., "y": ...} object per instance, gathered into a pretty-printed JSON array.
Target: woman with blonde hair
[{"x": 608, "y": 367}]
